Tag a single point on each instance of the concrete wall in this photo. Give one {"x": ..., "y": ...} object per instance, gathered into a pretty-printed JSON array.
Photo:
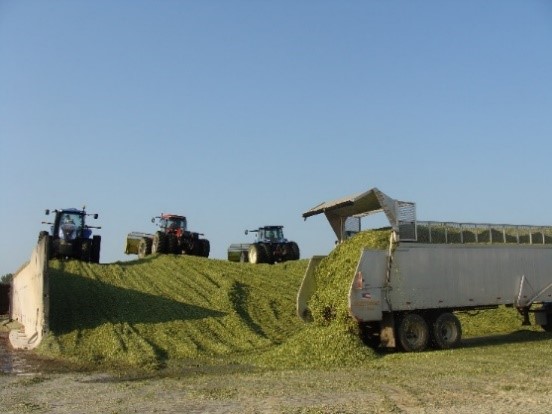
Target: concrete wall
[{"x": 29, "y": 301}]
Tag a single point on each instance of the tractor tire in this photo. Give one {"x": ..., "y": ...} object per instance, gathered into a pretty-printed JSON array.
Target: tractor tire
[
  {"x": 257, "y": 253},
  {"x": 205, "y": 247},
  {"x": 197, "y": 249},
  {"x": 172, "y": 244},
  {"x": 86, "y": 250},
  {"x": 95, "y": 251},
  {"x": 159, "y": 243},
  {"x": 268, "y": 253},
  {"x": 294, "y": 249},
  {"x": 412, "y": 333},
  {"x": 144, "y": 247}
]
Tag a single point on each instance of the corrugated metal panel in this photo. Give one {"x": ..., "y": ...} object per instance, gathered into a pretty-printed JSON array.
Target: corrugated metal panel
[{"x": 440, "y": 276}]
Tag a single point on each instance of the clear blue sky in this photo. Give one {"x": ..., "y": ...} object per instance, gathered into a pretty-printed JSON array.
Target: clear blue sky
[{"x": 244, "y": 113}]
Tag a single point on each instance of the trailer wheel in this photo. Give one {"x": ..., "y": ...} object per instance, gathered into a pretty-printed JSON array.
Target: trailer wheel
[
  {"x": 548, "y": 326},
  {"x": 256, "y": 254},
  {"x": 370, "y": 334},
  {"x": 159, "y": 243},
  {"x": 446, "y": 331},
  {"x": 412, "y": 333},
  {"x": 144, "y": 247}
]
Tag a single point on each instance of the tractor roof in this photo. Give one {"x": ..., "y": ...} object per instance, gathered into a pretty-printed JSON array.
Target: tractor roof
[
  {"x": 169, "y": 216},
  {"x": 272, "y": 227},
  {"x": 70, "y": 210}
]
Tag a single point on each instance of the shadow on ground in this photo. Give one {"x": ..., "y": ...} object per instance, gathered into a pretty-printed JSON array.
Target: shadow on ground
[
  {"x": 505, "y": 338},
  {"x": 77, "y": 302}
]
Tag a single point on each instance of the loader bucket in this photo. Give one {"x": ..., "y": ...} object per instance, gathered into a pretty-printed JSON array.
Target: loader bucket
[{"x": 133, "y": 241}]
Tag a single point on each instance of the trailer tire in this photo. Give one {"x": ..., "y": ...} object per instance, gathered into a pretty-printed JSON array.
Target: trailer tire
[
  {"x": 412, "y": 333},
  {"x": 256, "y": 253},
  {"x": 144, "y": 247},
  {"x": 370, "y": 334},
  {"x": 446, "y": 331},
  {"x": 159, "y": 243},
  {"x": 548, "y": 326}
]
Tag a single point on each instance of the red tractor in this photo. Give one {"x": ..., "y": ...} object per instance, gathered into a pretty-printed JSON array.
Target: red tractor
[{"x": 172, "y": 238}]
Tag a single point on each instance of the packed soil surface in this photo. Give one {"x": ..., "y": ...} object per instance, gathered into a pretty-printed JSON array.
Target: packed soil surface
[
  {"x": 505, "y": 373},
  {"x": 337, "y": 391}
]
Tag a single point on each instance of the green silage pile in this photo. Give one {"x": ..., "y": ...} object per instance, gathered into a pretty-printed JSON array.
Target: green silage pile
[
  {"x": 332, "y": 339},
  {"x": 335, "y": 272}
]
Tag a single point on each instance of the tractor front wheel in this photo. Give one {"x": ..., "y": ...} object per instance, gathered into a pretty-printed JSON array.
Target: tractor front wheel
[
  {"x": 256, "y": 253},
  {"x": 95, "y": 251},
  {"x": 159, "y": 243},
  {"x": 144, "y": 247}
]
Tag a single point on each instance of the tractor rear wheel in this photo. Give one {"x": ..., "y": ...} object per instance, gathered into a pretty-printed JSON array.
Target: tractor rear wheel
[
  {"x": 294, "y": 248},
  {"x": 159, "y": 243},
  {"x": 256, "y": 253},
  {"x": 269, "y": 254},
  {"x": 95, "y": 251},
  {"x": 205, "y": 247}
]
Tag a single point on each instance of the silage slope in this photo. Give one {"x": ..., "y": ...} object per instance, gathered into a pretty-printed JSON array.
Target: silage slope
[{"x": 162, "y": 309}]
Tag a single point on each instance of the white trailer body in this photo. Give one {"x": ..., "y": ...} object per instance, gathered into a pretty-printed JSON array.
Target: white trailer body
[{"x": 449, "y": 276}]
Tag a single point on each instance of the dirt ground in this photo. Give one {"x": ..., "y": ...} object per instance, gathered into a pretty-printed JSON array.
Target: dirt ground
[{"x": 337, "y": 391}]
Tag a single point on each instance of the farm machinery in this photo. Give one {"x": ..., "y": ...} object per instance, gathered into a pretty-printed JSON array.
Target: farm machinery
[
  {"x": 70, "y": 237},
  {"x": 172, "y": 238},
  {"x": 270, "y": 246}
]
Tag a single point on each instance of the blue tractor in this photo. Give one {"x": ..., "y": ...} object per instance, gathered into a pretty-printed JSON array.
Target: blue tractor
[{"x": 70, "y": 237}]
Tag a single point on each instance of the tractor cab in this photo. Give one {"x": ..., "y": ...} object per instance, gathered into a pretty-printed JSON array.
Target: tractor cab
[
  {"x": 269, "y": 234},
  {"x": 171, "y": 223}
]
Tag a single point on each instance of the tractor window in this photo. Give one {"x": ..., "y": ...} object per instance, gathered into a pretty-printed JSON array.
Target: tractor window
[
  {"x": 176, "y": 223},
  {"x": 274, "y": 234},
  {"x": 70, "y": 226}
]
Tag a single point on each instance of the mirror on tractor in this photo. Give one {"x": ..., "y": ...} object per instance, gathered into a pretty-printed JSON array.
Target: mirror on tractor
[
  {"x": 96, "y": 216},
  {"x": 246, "y": 232},
  {"x": 47, "y": 212}
]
